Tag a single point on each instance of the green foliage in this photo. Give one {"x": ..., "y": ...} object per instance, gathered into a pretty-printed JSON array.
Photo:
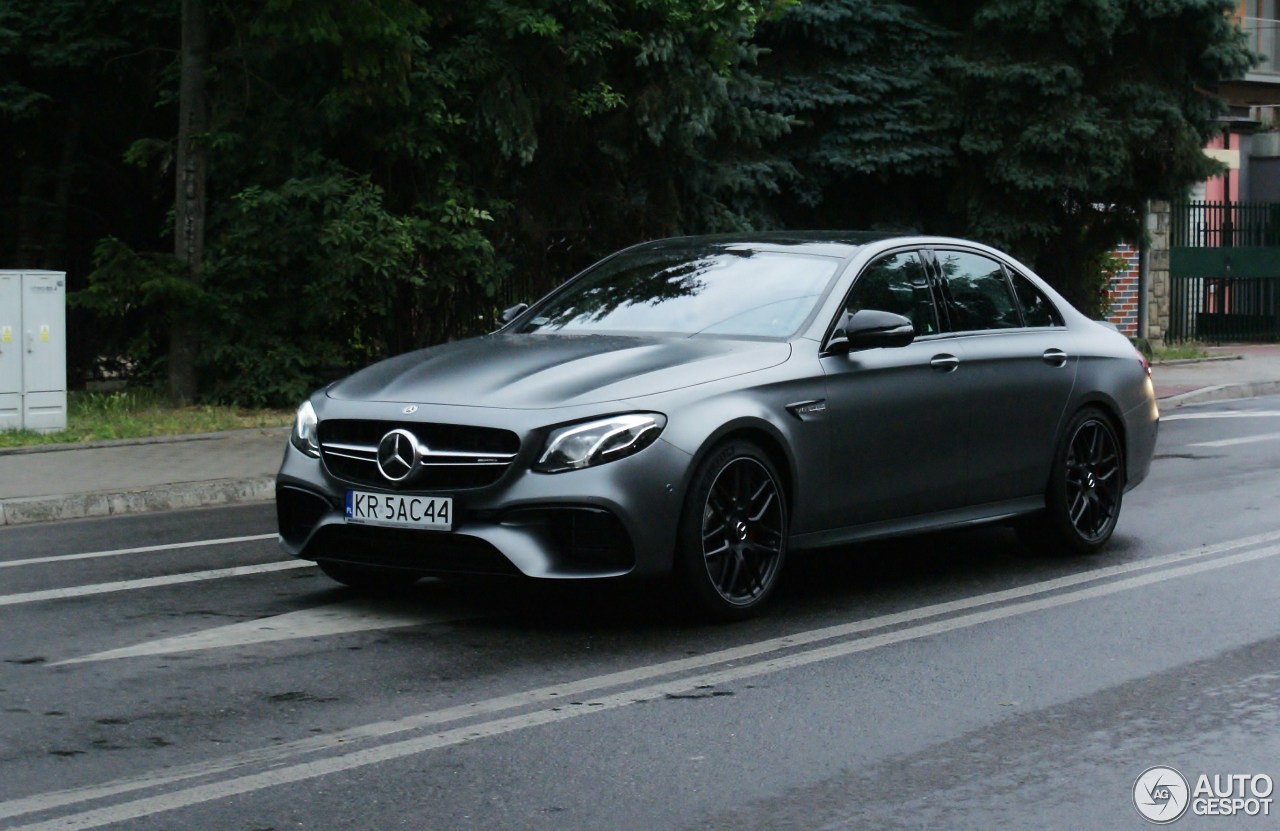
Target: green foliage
[
  {"x": 1070, "y": 115},
  {"x": 324, "y": 256},
  {"x": 860, "y": 82},
  {"x": 384, "y": 174},
  {"x": 76, "y": 87},
  {"x": 618, "y": 123},
  {"x": 143, "y": 293},
  {"x": 1040, "y": 127},
  {"x": 1099, "y": 279}
]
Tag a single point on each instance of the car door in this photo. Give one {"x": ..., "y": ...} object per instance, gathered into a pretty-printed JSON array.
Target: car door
[
  {"x": 891, "y": 409},
  {"x": 1019, "y": 370}
]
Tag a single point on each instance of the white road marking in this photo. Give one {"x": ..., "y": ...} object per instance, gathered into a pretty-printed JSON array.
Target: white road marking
[
  {"x": 146, "y": 549},
  {"x": 462, "y": 735},
  {"x": 148, "y": 582},
  {"x": 562, "y": 696},
  {"x": 1223, "y": 414},
  {"x": 1242, "y": 440},
  {"x": 360, "y": 615}
]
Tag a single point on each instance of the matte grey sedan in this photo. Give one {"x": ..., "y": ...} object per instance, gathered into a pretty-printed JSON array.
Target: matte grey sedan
[{"x": 700, "y": 407}]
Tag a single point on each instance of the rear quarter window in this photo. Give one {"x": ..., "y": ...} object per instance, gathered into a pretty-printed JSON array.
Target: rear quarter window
[{"x": 1037, "y": 309}]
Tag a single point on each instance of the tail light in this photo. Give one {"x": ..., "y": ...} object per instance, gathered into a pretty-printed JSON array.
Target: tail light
[{"x": 1146, "y": 365}]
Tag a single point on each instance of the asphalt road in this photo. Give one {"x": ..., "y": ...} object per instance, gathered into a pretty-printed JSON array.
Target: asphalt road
[{"x": 174, "y": 671}]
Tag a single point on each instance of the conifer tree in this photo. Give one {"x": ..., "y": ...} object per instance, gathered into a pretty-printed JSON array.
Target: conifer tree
[{"x": 1040, "y": 127}]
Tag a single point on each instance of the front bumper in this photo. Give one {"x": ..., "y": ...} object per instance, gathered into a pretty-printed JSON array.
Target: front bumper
[{"x": 616, "y": 519}]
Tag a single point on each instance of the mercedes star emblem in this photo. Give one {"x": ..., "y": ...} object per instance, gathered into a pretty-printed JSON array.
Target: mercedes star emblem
[{"x": 397, "y": 455}]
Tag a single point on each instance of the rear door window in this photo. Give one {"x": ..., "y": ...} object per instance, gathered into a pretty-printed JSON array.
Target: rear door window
[{"x": 977, "y": 292}]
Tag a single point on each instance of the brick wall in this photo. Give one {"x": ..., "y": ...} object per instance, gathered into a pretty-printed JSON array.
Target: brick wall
[{"x": 1124, "y": 292}]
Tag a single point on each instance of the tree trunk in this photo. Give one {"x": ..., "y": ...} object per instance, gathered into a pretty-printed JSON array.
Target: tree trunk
[
  {"x": 58, "y": 227},
  {"x": 189, "y": 203}
]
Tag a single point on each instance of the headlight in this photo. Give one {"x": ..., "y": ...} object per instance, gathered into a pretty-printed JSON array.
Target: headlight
[
  {"x": 596, "y": 442},
  {"x": 304, "y": 436}
]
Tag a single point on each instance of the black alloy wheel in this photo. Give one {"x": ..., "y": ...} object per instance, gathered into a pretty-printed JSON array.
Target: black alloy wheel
[
  {"x": 733, "y": 532},
  {"x": 1087, "y": 484}
]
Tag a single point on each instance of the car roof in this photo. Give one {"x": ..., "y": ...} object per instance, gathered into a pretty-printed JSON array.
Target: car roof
[{"x": 830, "y": 243}]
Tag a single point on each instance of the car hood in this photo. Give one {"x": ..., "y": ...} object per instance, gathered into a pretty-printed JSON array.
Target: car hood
[{"x": 545, "y": 371}]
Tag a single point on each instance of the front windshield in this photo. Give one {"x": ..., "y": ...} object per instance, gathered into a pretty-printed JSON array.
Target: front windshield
[{"x": 705, "y": 291}]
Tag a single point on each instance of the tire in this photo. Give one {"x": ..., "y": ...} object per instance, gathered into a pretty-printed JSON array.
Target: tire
[
  {"x": 1086, "y": 488},
  {"x": 368, "y": 578},
  {"x": 732, "y": 540}
]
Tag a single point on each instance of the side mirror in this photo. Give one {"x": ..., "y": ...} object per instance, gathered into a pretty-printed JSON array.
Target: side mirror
[
  {"x": 511, "y": 313},
  {"x": 869, "y": 329}
]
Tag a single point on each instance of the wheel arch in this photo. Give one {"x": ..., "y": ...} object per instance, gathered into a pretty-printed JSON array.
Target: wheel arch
[
  {"x": 763, "y": 435},
  {"x": 696, "y": 580},
  {"x": 1111, "y": 411}
]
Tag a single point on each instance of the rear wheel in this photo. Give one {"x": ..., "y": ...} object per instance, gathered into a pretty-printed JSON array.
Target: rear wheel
[
  {"x": 1086, "y": 488},
  {"x": 733, "y": 532},
  {"x": 368, "y": 578}
]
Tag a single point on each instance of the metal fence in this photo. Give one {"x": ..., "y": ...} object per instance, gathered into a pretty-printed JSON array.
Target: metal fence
[
  {"x": 1224, "y": 272},
  {"x": 1224, "y": 309},
  {"x": 1224, "y": 224}
]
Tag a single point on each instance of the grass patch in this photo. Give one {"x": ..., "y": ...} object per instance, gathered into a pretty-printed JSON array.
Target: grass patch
[
  {"x": 132, "y": 414},
  {"x": 1178, "y": 351},
  {"x": 1161, "y": 351}
]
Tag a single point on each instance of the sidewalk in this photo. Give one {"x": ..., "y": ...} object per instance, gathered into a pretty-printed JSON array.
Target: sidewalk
[
  {"x": 1242, "y": 372},
  {"x": 45, "y": 483},
  {"x": 52, "y": 482}
]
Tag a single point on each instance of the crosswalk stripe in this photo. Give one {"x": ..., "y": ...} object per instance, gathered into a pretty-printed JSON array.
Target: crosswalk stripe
[
  {"x": 145, "y": 549},
  {"x": 148, "y": 582}
]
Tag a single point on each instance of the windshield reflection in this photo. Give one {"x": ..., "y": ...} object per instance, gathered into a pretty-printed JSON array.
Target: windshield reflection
[{"x": 717, "y": 291}]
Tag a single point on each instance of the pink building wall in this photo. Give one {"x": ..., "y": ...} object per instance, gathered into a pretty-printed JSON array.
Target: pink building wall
[{"x": 1214, "y": 190}]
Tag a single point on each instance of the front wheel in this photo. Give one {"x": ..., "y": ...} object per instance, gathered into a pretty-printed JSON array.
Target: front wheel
[
  {"x": 733, "y": 532},
  {"x": 1086, "y": 486}
]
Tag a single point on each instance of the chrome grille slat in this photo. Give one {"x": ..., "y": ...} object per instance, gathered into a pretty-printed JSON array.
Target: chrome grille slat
[
  {"x": 467, "y": 458},
  {"x": 477, "y": 456},
  {"x": 372, "y": 459},
  {"x": 371, "y": 454},
  {"x": 356, "y": 448}
]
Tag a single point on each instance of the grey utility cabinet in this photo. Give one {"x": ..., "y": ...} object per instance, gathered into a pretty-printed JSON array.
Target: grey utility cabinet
[{"x": 33, "y": 350}]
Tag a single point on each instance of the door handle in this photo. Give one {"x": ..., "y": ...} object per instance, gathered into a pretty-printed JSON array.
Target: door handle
[
  {"x": 945, "y": 362},
  {"x": 1055, "y": 357}
]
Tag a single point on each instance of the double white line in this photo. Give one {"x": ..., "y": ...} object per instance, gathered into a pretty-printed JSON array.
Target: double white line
[
  {"x": 142, "y": 582},
  {"x": 341, "y": 751}
]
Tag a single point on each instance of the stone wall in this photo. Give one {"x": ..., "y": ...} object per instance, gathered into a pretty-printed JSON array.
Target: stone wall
[
  {"x": 1158, "y": 271},
  {"x": 1124, "y": 291}
]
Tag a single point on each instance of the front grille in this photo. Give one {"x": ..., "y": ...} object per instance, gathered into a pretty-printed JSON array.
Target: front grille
[{"x": 453, "y": 457}]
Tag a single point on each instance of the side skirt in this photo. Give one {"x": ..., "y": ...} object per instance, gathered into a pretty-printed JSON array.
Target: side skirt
[{"x": 957, "y": 518}]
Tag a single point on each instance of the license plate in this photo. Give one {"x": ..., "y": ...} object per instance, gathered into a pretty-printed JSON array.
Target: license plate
[{"x": 401, "y": 511}]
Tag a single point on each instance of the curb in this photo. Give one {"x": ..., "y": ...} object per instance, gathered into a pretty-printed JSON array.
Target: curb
[
  {"x": 1222, "y": 392},
  {"x": 1206, "y": 360},
  {"x": 29, "y": 509}
]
